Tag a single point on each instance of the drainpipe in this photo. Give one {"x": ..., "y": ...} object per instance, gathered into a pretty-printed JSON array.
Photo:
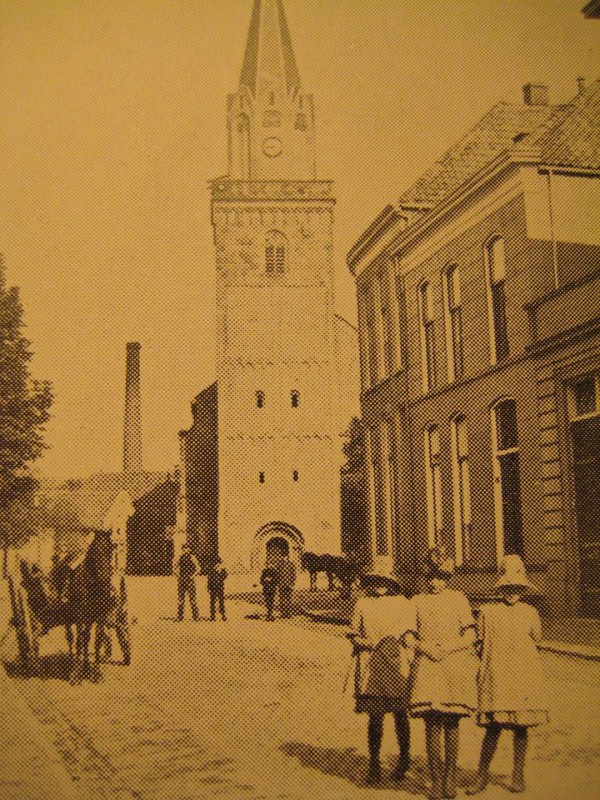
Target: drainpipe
[{"x": 552, "y": 233}]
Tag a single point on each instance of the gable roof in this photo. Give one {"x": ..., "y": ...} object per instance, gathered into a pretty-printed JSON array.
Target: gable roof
[
  {"x": 91, "y": 499},
  {"x": 492, "y": 135},
  {"x": 561, "y": 135},
  {"x": 573, "y": 137}
]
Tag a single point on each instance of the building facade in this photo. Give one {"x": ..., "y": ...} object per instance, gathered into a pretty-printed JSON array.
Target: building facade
[
  {"x": 273, "y": 416},
  {"x": 479, "y": 322}
]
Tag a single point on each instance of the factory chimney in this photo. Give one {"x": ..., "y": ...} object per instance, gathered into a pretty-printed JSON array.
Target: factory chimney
[{"x": 132, "y": 433}]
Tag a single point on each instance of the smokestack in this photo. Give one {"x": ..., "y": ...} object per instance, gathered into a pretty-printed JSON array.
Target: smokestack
[
  {"x": 132, "y": 433},
  {"x": 536, "y": 94}
]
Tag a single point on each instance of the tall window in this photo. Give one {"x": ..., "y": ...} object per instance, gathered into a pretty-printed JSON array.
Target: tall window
[
  {"x": 381, "y": 489},
  {"x": 260, "y": 399},
  {"x": 387, "y": 323},
  {"x": 507, "y": 480},
  {"x": 400, "y": 314},
  {"x": 295, "y": 398},
  {"x": 376, "y": 367},
  {"x": 427, "y": 318},
  {"x": 364, "y": 333},
  {"x": 275, "y": 252},
  {"x": 453, "y": 320},
  {"x": 433, "y": 484},
  {"x": 584, "y": 414},
  {"x": 462, "y": 489},
  {"x": 496, "y": 274}
]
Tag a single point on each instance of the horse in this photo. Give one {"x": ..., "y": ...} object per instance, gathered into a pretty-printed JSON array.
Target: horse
[
  {"x": 345, "y": 568},
  {"x": 78, "y": 595},
  {"x": 89, "y": 599}
]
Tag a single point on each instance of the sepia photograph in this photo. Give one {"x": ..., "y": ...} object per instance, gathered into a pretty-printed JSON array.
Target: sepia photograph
[{"x": 299, "y": 399}]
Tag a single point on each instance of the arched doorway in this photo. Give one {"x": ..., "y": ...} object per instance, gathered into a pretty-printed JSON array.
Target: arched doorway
[{"x": 276, "y": 539}]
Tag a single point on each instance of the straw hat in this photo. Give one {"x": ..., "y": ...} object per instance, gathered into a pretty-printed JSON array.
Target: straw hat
[
  {"x": 438, "y": 562},
  {"x": 512, "y": 573}
]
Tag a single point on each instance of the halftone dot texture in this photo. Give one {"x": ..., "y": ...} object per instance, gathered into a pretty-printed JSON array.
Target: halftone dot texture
[{"x": 479, "y": 333}]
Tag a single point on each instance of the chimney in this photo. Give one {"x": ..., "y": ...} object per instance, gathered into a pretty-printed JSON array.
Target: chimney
[
  {"x": 536, "y": 94},
  {"x": 132, "y": 433}
]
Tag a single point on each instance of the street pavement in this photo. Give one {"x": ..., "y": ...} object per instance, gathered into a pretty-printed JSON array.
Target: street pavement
[{"x": 248, "y": 710}]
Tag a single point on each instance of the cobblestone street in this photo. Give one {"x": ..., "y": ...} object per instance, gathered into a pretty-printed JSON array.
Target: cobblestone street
[{"x": 249, "y": 709}]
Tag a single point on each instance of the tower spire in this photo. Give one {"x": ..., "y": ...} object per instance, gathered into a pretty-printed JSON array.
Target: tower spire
[{"x": 269, "y": 62}]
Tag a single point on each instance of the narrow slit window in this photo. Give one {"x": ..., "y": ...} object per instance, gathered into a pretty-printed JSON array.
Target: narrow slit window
[
  {"x": 260, "y": 399},
  {"x": 295, "y": 398}
]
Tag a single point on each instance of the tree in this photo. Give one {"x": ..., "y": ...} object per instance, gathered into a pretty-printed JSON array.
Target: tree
[
  {"x": 354, "y": 446},
  {"x": 354, "y": 493},
  {"x": 24, "y": 410}
]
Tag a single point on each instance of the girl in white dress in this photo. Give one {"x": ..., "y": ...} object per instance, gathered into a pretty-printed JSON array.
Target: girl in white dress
[
  {"x": 509, "y": 681},
  {"x": 383, "y": 666},
  {"x": 443, "y": 687}
]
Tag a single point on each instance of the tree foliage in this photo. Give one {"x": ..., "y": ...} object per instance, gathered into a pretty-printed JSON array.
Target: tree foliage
[
  {"x": 24, "y": 410},
  {"x": 354, "y": 446}
]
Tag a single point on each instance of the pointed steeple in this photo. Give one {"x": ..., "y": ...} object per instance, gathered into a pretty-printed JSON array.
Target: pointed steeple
[
  {"x": 270, "y": 119},
  {"x": 269, "y": 63}
]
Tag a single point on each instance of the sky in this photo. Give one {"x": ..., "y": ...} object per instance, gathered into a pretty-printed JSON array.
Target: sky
[{"x": 114, "y": 123}]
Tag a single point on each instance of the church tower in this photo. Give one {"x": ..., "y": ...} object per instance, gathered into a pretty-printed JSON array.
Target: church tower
[{"x": 278, "y": 443}]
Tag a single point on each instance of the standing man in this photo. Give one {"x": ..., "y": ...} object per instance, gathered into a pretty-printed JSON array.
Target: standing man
[
  {"x": 287, "y": 580},
  {"x": 186, "y": 568},
  {"x": 269, "y": 579},
  {"x": 216, "y": 588}
]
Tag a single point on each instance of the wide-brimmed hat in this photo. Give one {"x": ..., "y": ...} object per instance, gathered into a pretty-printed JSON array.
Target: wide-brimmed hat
[
  {"x": 370, "y": 580},
  {"x": 512, "y": 573},
  {"x": 438, "y": 563}
]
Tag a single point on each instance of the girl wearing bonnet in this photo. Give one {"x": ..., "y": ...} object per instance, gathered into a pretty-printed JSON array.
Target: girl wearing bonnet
[
  {"x": 443, "y": 687},
  {"x": 382, "y": 666},
  {"x": 510, "y": 692}
]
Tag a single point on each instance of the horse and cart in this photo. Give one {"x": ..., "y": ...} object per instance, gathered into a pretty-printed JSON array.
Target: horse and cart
[{"x": 82, "y": 593}]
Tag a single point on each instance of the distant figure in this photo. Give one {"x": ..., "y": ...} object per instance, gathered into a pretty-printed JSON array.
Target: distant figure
[
  {"x": 510, "y": 675},
  {"x": 216, "y": 588},
  {"x": 269, "y": 579},
  {"x": 287, "y": 581},
  {"x": 186, "y": 568},
  {"x": 382, "y": 671}
]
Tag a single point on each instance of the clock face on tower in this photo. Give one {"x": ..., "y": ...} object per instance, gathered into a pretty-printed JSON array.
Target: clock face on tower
[{"x": 272, "y": 146}]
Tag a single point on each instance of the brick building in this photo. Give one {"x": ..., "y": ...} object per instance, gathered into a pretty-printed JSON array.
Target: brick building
[{"x": 479, "y": 322}]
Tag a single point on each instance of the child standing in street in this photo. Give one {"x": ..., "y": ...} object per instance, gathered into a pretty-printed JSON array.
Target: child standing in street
[
  {"x": 382, "y": 666},
  {"x": 510, "y": 695},
  {"x": 444, "y": 671}
]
